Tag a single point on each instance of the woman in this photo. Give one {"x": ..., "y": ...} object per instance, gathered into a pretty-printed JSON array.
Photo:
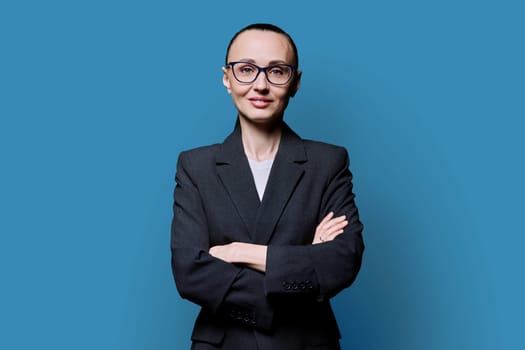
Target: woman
[{"x": 265, "y": 229}]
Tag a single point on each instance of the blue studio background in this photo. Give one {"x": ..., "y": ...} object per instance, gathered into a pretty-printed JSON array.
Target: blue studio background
[{"x": 97, "y": 98}]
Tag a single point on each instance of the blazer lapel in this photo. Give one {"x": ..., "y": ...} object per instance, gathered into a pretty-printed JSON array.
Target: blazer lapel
[
  {"x": 287, "y": 171},
  {"x": 235, "y": 173}
]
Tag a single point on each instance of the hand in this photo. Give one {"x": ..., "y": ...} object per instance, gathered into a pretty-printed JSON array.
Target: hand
[
  {"x": 224, "y": 252},
  {"x": 329, "y": 228},
  {"x": 251, "y": 255}
]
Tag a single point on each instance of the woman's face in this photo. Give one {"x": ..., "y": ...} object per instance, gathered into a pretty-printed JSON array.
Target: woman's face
[{"x": 260, "y": 102}]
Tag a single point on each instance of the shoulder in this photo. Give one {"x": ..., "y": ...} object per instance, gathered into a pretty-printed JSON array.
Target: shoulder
[
  {"x": 322, "y": 152},
  {"x": 198, "y": 156}
]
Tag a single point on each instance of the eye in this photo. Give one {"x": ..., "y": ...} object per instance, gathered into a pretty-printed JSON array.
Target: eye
[
  {"x": 279, "y": 71},
  {"x": 276, "y": 71},
  {"x": 246, "y": 69}
]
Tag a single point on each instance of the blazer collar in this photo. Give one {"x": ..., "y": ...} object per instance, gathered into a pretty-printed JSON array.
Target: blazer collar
[
  {"x": 291, "y": 146},
  {"x": 234, "y": 171}
]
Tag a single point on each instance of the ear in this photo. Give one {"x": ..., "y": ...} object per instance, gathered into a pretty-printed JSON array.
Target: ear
[
  {"x": 296, "y": 83},
  {"x": 226, "y": 80}
]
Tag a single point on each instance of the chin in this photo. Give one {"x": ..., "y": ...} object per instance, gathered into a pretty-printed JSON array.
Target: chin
[{"x": 261, "y": 118}]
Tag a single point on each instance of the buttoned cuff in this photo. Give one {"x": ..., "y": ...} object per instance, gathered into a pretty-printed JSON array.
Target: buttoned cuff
[{"x": 289, "y": 270}]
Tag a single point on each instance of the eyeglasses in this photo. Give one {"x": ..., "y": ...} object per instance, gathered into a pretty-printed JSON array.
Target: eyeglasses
[{"x": 247, "y": 73}]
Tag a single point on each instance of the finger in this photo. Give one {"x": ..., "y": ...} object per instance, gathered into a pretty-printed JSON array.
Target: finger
[
  {"x": 326, "y": 218},
  {"x": 332, "y": 235},
  {"x": 329, "y": 237},
  {"x": 336, "y": 228},
  {"x": 334, "y": 222},
  {"x": 339, "y": 226},
  {"x": 331, "y": 226},
  {"x": 321, "y": 227}
]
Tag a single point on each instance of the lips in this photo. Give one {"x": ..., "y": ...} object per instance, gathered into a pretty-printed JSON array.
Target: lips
[{"x": 260, "y": 102}]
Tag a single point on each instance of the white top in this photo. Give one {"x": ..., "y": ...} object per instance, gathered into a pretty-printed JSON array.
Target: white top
[{"x": 261, "y": 172}]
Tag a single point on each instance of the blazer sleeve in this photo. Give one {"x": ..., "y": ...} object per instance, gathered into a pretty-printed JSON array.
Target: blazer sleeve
[
  {"x": 324, "y": 269},
  {"x": 220, "y": 287}
]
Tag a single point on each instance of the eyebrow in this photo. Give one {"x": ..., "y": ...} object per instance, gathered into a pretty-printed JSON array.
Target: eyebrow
[{"x": 249, "y": 60}]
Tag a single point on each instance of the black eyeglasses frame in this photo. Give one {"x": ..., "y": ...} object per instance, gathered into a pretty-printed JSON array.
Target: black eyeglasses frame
[{"x": 262, "y": 69}]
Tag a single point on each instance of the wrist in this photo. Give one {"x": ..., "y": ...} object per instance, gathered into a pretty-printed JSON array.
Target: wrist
[
  {"x": 247, "y": 253},
  {"x": 236, "y": 252},
  {"x": 242, "y": 252}
]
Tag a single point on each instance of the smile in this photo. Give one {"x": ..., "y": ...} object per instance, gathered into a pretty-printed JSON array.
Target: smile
[{"x": 259, "y": 102}]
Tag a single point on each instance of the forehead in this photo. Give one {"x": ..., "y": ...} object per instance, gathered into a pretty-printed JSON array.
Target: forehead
[{"x": 261, "y": 46}]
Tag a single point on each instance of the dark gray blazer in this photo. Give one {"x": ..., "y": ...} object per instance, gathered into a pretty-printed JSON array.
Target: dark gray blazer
[{"x": 216, "y": 202}]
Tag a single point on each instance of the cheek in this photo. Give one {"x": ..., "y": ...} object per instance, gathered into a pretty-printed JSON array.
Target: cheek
[
  {"x": 238, "y": 98},
  {"x": 239, "y": 90},
  {"x": 283, "y": 96}
]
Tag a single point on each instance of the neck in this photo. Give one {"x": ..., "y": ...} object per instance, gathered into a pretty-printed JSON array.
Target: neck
[{"x": 260, "y": 141}]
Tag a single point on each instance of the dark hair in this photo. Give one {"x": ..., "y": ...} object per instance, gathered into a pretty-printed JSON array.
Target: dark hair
[{"x": 268, "y": 27}]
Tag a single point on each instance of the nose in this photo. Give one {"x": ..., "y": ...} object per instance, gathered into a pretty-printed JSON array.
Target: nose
[{"x": 261, "y": 83}]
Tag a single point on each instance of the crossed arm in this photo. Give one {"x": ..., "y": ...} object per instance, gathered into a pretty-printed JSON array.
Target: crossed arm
[
  {"x": 253, "y": 276},
  {"x": 254, "y": 255}
]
